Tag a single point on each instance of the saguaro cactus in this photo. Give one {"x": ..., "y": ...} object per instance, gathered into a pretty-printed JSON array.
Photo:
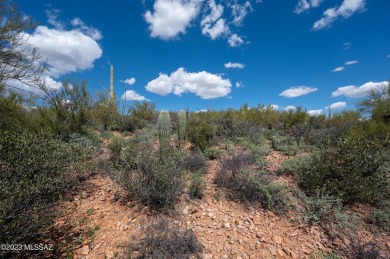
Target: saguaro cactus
[
  {"x": 182, "y": 121},
  {"x": 112, "y": 95},
  {"x": 164, "y": 128}
]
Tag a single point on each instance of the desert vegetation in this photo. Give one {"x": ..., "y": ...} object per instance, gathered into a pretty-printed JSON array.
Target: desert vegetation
[{"x": 53, "y": 143}]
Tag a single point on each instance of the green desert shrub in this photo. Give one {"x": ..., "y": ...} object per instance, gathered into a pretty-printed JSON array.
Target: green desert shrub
[
  {"x": 292, "y": 165},
  {"x": 196, "y": 188},
  {"x": 140, "y": 115},
  {"x": 212, "y": 153},
  {"x": 284, "y": 144},
  {"x": 88, "y": 140},
  {"x": 231, "y": 166},
  {"x": 321, "y": 137},
  {"x": 228, "y": 128},
  {"x": 248, "y": 185},
  {"x": 321, "y": 207},
  {"x": 200, "y": 133},
  {"x": 164, "y": 239},
  {"x": 257, "y": 149},
  {"x": 381, "y": 218},
  {"x": 115, "y": 146},
  {"x": 194, "y": 162},
  {"x": 355, "y": 170},
  {"x": 35, "y": 171},
  {"x": 157, "y": 179}
]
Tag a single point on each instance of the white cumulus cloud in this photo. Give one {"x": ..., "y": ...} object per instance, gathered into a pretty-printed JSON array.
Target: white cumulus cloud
[
  {"x": 212, "y": 24},
  {"x": 338, "y": 69},
  {"x": 25, "y": 89},
  {"x": 235, "y": 40},
  {"x": 216, "y": 30},
  {"x": 52, "y": 18},
  {"x": 65, "y": 51},
  {"x": 352, "y": 62},
  {"x": 203, "y": 84},
  {"x": 304, "y": 5},
  {"x": 314, "y": 112},
  {"x": 345, "y": 10},
  {"x": 171, "y": 17},
  {"x": 131, "y": 95},
  {"x": 201, "y": 110},
  {"x": 129, "y": 81},
  {"x": 358, "y": 91},
  {"x": 338, "y": 105},
  {"x": 348, "y": 63},
  {"x": 274, "y": 106},
  {"x": 87, "y": 30},
  {"x": 239, "y": 11},
  {"x": 234, "y": 65},
  {"x": 239, "y": 84},
  {"x": 297, "y": 91},
  {"x": 290, "y": 108}
]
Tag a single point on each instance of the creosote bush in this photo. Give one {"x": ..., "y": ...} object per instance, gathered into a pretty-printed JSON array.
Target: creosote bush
[
  {"x": 35, "y": 171},
  {"x": 292, "y": 165},
  {"x": 381, "y": 218},
  {"x": 212, "y": 153},
  {"x": 353, "y": 170},
  {"x": 287, "y": 145},
  {"x": 196, "y": 188},
  {"x": 200, "y": 133},
  {"x": 321, "y": 207},
  {"x": 164, "y": 239},
  {"x": 248, "y": 185},
  {"x": 194, "y": 162},
  {"x": 154, "y": 178}
]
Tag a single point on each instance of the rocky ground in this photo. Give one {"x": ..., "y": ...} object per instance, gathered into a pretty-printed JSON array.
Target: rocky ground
[{"x": 99, "y": 222}]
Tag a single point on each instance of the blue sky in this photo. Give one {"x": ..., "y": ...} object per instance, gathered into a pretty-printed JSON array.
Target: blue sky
[{"x": 220, "y": 53}]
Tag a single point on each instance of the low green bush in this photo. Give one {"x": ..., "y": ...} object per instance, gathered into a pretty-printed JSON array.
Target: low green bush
[
  {"x": 212, "y": 153},
  {"x": 257, "y": 150},
  {"x": 228, "y": 128},
  {"x": 35, "y": 171},
  {"x": 321, "y": 207},
  {"x": 165, "y": 240},
  {"x": 196, "y": 188},
  {"x": 194, "y": 162},
  {"x": 115, "y": 146},
  {"x": 200, "y": 133},
  {"x": 157, "y": 179},
  {"x": 292, "y": 165},
  {"x": 248, "y": 185},
  {"x": 354, "y": 169},
  {"x": 88, "y": 140},
  {"x": 284, "y": 144},
  {"x": 381, "y": 218}
]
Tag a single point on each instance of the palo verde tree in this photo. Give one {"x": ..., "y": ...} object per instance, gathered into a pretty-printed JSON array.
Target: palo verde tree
[
  {"x": 69, "y": 110},
  {"x": 20, "y": 67},
  {"x": 19, "y": 62},
  {"x": 378, "y": 104}
]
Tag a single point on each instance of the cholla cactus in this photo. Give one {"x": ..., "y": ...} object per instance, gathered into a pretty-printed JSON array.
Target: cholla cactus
[
  {"x": 164, "y": 127},
  {"x": 182, "y": 119}
]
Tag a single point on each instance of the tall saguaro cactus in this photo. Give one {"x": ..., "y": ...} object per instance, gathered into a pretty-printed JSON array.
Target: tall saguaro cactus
[
  {"x": 182, "y": 122},
  {"x": 164, "y": 128},
  {"x": 112, "y": 95}
]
